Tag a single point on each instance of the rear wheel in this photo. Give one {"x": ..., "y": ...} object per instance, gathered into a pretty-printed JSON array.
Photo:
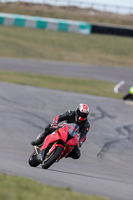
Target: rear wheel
[
  {"x": 50, "y": 159},
  {"x": 32, "y": 160}
]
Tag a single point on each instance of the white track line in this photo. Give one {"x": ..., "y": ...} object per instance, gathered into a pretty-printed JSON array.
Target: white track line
[{"x": 116, "y": 88}]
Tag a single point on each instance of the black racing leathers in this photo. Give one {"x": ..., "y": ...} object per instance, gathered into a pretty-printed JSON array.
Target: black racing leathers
[
  {"x": 70, "y": 117},
  {"x": 128, "y": 97}
]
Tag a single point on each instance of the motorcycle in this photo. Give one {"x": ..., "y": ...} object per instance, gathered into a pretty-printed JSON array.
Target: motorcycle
[{"x": 55, "y": 146}]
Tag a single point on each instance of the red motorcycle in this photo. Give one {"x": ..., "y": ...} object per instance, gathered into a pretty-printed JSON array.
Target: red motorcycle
[{"x": 56, "y": 146}]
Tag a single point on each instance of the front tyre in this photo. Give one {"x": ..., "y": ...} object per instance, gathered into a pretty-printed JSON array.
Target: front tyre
[
  {"x": 52, "y": 158},
  {"x": 33, "y": 161}
]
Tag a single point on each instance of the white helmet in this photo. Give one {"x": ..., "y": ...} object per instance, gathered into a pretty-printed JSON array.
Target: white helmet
[{"x": 82, "y": 112}]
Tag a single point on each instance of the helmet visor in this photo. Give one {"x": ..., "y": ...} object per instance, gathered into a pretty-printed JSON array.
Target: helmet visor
[{"x": 82, "y": 115}]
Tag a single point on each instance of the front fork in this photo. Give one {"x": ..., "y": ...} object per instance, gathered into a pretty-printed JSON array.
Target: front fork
[
  {"x": 39, "y": 154},
  {"x": 36, "y": 150}
]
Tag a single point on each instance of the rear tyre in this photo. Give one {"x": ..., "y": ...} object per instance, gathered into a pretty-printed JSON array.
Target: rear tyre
[
  {"x": 52, "y": 158},
  {"x": 32, "y": 160}
]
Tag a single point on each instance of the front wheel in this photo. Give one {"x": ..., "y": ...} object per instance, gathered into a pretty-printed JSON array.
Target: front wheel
[{"x": 52, "y": 157}]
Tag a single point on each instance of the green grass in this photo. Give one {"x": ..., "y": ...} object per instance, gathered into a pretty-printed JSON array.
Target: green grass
[
  {"x": 19, "y": 188},
  {"x": 94, "y": 87},
  {"x": 69, "y": 47}
]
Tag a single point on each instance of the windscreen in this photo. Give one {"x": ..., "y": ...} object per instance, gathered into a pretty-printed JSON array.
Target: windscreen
[{"x": 73, "y": 129}]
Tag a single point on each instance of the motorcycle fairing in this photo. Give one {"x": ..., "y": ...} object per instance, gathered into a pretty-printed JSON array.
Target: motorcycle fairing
[
  {"x": 74, "y": 141},
  {"x": 60, "y": 134}
]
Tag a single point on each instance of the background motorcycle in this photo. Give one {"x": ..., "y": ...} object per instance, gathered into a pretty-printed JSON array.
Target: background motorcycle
[{"x": 56, "y": 145}]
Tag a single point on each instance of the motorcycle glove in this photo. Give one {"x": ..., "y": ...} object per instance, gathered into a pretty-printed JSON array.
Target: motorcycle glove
[{"x": 33, "y": 143}]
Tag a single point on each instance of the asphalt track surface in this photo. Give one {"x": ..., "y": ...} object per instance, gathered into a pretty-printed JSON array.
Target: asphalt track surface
[
  {"x": 113, "y": 74},
  {"x": 106, "y": 164}
]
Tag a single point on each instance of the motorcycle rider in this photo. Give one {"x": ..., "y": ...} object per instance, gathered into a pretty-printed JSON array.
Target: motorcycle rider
[
  {"x": 79, "y": 116},
  {"x": 129, "y": 96}
]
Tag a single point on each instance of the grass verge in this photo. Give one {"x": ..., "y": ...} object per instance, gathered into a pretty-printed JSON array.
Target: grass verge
[
  {"x": 94, "y": 87},
  {"x": 19, "y": 188},
  {"x": 94, "y": 49}
]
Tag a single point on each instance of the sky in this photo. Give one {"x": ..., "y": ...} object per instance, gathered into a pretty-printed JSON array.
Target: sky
[{"x": 128, "y": 3}]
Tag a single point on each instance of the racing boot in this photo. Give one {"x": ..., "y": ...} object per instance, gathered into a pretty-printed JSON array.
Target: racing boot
[
  {"x": 48, "y": 129},
  {"x": 39, "y": 139},
  {"x": 75, "y": 153}
]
